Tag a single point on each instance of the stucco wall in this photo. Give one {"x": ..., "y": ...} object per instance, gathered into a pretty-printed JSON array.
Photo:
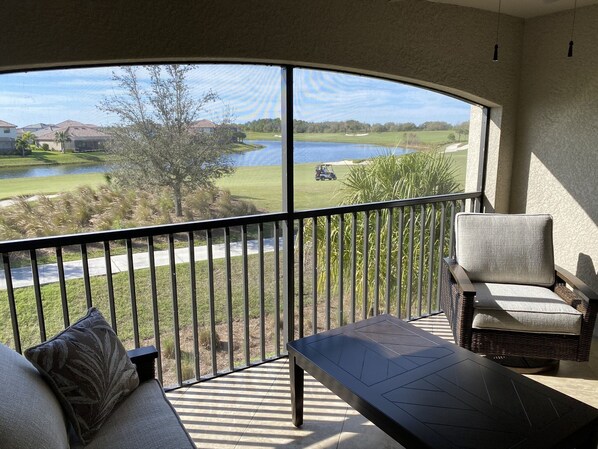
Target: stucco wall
[
  {"x": 437, "y": 45},
  {"x": 556, "y": 164}
]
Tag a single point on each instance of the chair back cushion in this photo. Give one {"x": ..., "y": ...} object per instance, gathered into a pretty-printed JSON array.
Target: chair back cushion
[
  {"x": 513, "y": 249},
  {"x": 30, "y": 414}
]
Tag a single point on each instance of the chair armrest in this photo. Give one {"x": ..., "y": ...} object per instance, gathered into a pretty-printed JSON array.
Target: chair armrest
[
  {"x": 460, "y": 277},
  {"x": 143, "y": 358},
  {"x": 576, "y": 283}
]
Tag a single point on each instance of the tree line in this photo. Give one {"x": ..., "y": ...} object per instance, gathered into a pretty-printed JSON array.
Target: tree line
[{"x": 272, "y": 125}]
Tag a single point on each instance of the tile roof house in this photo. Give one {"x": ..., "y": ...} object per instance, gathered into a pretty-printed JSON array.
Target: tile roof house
[
  {"x": 204, "y": 126},
  {"x": 8, "y": 136},
  {"x": 33, "y": 127},
  {"x": 82, "y": 137}
]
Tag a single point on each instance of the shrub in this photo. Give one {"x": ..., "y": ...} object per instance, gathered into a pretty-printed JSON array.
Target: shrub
[
  {"x": 205, "y": 339},
  {"x": 168, "y": 348}
]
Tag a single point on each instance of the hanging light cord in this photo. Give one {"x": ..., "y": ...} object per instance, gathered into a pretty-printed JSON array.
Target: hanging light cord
[
  {"x": 498, "y": 20},
  {"x": 570, "y": 52},
  {"x": 495, "y": 57}
]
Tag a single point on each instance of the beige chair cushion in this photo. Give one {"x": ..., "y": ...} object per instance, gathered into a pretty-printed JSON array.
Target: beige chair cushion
[
  {"x": 30, "y": 414},
  {"x": 514, "y": 249},
  {"x": 145, "y": 420},
  {"x": 523, "y": 308}
]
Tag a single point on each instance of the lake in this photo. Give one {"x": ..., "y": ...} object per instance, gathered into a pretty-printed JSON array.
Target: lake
[{"x": 271, "y": 154}]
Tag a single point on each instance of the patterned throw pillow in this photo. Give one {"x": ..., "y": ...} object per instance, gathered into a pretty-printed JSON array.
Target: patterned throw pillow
[{"x": 89, "y": 370}]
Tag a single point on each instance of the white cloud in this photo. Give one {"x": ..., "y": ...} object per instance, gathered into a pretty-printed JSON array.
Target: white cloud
[{"x": 253, "y": 91}]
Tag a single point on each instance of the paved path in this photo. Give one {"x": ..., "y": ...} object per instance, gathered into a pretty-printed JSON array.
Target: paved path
[{"x": 48, "y": 274}]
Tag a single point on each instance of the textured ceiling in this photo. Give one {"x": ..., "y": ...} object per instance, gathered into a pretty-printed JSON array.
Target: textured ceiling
[{"x": 518, "y": 8}]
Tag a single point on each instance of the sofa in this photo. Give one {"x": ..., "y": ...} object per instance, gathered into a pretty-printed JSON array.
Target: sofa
[{"x": 32, "y": 417}]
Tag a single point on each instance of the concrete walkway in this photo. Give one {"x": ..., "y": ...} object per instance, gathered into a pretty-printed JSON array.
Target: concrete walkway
[{"x": 48, "y": 274}]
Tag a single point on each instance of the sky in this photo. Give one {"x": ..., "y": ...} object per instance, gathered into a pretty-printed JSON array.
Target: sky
[{"x": 250, "y": 91}]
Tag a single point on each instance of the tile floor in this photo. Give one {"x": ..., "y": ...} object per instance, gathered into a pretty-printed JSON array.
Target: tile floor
[{"x": 251, "y": 409}]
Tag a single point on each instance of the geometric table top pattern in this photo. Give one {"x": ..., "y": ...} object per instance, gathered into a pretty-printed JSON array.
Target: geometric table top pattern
[{"x": 429, "y": 393}]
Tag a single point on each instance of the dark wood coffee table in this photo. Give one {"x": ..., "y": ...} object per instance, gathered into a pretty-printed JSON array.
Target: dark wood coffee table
[{"x": 428, "y": 393}]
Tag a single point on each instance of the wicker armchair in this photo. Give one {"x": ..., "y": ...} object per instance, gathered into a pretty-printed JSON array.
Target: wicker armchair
[{"x": 503, "y": 295}]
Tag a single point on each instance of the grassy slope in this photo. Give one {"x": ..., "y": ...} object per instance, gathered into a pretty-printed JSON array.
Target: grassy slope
[
  {"x": 53, "y": 158},
  {"x": 262, "y": 185},
  {"x": 10, "y": 188}
]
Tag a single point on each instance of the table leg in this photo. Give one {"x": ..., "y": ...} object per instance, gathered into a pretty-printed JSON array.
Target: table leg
[{"x": 297, "y": 375}]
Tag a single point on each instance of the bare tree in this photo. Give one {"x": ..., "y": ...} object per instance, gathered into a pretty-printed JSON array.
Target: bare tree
[{"x": 155, "y": 142}]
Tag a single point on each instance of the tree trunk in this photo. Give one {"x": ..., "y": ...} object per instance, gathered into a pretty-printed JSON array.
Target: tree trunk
[{"x": 178, "y": 203}]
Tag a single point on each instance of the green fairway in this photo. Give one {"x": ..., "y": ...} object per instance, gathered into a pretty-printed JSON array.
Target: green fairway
[
  {"x": 10, "y": 188},
  {"x": 388, "y": 139},
  {"x": 263, "y": 186}
]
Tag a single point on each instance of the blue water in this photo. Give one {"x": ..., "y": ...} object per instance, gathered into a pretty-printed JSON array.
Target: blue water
[
  {"x": 271, "y": 154},
  {"x": 306, "y": 152}
]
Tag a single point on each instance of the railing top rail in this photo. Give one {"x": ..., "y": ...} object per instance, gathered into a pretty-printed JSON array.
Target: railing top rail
[
  {"x": 192, "y": 226},
  {"x": 337, "y": 210}
]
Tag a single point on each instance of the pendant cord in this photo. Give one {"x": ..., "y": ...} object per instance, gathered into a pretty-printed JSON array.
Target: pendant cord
[
  {"x": 495, "y": 56},
  {"x": 573, "y": 22},
  {"x": 498, "y": 20},
  {"x": 570, "y": 51}
]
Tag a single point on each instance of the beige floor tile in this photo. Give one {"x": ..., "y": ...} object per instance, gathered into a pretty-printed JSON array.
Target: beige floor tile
[
  {"x": 359, "y": 433},
  {"x": 251, "y": 409}
]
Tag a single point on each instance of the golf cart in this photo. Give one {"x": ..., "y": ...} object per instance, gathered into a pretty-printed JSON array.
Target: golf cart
[{"x": 325, "y": 172}]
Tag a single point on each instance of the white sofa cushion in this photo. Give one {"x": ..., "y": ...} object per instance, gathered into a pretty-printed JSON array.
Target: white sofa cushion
[
  {"x": 523, "y": 308},
  {"x": 30, "y": 414},
  {"x": 514, "y": 249},
  {"x": 145, "y": 420}
]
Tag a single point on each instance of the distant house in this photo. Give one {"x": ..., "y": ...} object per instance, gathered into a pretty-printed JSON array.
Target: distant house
[
  {"x": 33, "y": 128},
  {"x": 204, "y": 126},
  {"x": 82, "y": 137},
  {"x": 8, "y": 136}
]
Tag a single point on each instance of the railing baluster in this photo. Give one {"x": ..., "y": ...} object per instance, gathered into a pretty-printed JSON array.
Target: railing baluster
[
  {"x": 431, "y": 255},
  {"x": 62, "y": 284},
  {"x": 410, "y": 262},
  {"x": 110, "y": 285},
  {"x": 193, "y": 290},
  {"x": 155, "y": 310},
  {"x": 229, "y": 300},
  {"x": 452, "y": 231},
  {"x": 300, "y": 276},
  {"x": 420, "y": 274},
  {"x": 377, "y": 266},
  {"x": 314, "y": 277},
  {"x": 328, "y": 274},
  {"x": 245, "y": 294},
  {"x": 175, "y": 309},
  {"x": 12, "y": 306},
  {"x": 277, "y": 288},
  {"x": 131, "y": 271},
  {"x": 341, "y": 270},
  {"x": 365, "y": 262},
  {"x": 388, "y": 259},
  {"x": 86, "y": 280},
  {"x": 400, "y": 261},
  {"x": 441, "y": 239},
  {"x": 421, "y": 255},
  {"x": 260, "y": 233},
  {"x": 353, "y": 264},
  {"x": 38, "y": 294},
  {"x": 212, "y": 301}
]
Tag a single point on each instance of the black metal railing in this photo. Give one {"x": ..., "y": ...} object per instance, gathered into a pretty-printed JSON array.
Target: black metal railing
[{"x": 211, "y": 295}]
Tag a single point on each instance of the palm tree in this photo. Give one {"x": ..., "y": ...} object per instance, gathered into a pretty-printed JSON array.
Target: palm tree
[
  {"x": 25, "y": 141},
  {"x": 388, "y": 178},
  {"x": 61, "y": 138}
]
